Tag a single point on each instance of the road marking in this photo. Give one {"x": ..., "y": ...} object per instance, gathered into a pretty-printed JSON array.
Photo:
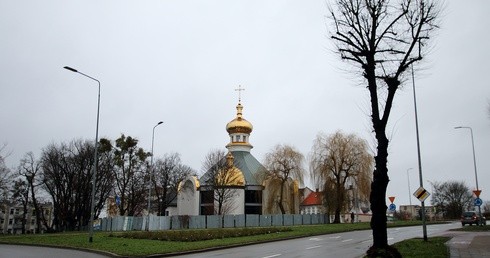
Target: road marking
[
  {"x": 347, "y": 240},
  {"x": 313, "y": 247},
  {"x": 270, "y": 256},
  {"x": 367, "y": 241},
  {"x": 315, "y": 239},
  {"x": 335, "y": 237},
  {"x": 390, "y": 238}
]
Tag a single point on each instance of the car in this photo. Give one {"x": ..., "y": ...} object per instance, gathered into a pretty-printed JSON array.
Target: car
[{"x": 471, "y": 217}]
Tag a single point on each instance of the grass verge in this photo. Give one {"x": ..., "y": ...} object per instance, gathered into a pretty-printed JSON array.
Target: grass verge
[
  {"x": 417, "y": 248},
  {"x": 485, "y": 228},
  {"x": 114, "y": 242}
]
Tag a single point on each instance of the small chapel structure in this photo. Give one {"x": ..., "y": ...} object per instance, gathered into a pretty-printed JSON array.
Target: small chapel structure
[{"x": 237, "y": 186}]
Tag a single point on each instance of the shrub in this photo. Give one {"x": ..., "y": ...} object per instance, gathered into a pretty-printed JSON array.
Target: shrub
[{"x": 201, "y": 234}]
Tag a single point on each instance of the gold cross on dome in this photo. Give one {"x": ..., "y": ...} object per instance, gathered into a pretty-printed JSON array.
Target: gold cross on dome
[{"x": 240, "y": 89}]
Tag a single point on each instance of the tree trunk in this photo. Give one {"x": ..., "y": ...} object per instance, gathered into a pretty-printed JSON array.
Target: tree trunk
[
  {"x": 378, "y": 193},
  {"x": 281, "y": 206},
  {"x": 339, "y": 199}
]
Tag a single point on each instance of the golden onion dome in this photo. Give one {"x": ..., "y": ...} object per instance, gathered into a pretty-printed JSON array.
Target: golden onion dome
[{"x": 239, "y": 124}]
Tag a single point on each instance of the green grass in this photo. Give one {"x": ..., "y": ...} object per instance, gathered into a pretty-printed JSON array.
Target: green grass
[
  {"x": 418, "y": 248},
  {"x": 115, "y": 242},
  {"x": 473, "y": 228}
]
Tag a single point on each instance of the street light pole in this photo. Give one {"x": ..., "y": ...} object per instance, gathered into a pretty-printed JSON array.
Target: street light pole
[
  {"x": 474, "y": 164},
  {"x": 151, "y": 172},
  {"x": 424, "y": 224},
  {"x": 92, "y": 198},
  {"x": 409, "y": 191}
]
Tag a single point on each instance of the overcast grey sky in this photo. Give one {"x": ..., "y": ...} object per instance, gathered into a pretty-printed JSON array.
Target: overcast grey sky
[{"x": 180, "y": 61}]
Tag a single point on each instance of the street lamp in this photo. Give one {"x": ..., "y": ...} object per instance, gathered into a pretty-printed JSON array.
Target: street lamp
[
  {"x": 151, "y": 172},
  {"x": 474, "y": 163},
  {"x": 92, "y": 201},
  {"x": 424, "y": 225},
  {"x": 410, "y": 194},
  {"x": 409, "y": 191}
]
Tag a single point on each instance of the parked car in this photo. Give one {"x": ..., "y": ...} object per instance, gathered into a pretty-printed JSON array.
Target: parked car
[{"x": 471, "y": 217}]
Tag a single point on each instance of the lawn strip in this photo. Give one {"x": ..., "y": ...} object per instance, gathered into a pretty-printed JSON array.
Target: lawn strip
[{"x": 111, "y": 242}]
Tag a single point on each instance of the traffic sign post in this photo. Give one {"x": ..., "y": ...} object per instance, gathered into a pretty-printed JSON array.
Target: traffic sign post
[
  {"x": 392, "y": 207},
  {"x": 477, "y": 193},
  {"x": 421, "y": 194},
  {"x": 478, "y": 202}
]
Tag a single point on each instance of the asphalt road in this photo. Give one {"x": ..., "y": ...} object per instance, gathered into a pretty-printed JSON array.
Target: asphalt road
[
  {"x": 25, "y": 251},
  {"x": 349, "y": 244}
]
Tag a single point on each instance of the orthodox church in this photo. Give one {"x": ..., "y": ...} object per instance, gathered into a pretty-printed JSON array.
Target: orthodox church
[{"x": 238, "y": 185}]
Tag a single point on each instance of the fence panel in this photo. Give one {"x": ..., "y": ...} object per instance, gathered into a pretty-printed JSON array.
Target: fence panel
[
  {"x": 214, "y": 221},
  {"x": 197, "y": 222},
  {"x": 136, "y": 223},
  {"x": 122, "y": 223},
  {"x": 164, "y": 223},
  {"x": 298, "y": 219},
  {"x": 240, "y": 221},
  {"x": 288, "y": 219},
  {"x": 252, "y": 220},
  {"x": 229, "y": 221},
  {"x": 277, "y": 220},
  {"x": 265, "y": 220}
]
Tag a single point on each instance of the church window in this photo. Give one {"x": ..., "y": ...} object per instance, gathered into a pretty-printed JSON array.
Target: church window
[
  {"x": 244, "y": 138},
  {"x": 252, "y": 196},
  {"x": 238, "y": 138}
]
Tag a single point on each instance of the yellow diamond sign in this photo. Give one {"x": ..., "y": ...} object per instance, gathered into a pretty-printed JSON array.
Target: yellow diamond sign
[{"x": 421, "y": 194}]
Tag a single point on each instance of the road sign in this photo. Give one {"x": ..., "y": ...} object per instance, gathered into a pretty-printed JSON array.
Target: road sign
[
  {"x": 477, "y": 193},
  {"x": 392, "y": 199},
  {"x": 478, "y": 202},
  {"x": 392, "y": 207},
  {"x": 421, "y": 194}
]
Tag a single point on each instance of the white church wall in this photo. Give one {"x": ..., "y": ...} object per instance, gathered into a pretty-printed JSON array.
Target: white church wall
[
  {"x": 235, "y": 205},
  {"x": 188, "y": 198}
]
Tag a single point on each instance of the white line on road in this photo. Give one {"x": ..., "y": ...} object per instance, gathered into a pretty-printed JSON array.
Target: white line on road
[
  {"x": 335, "y": 237},
  {"x": 313, "y": 247},
  {"x": 315, "y": 239},
  {"x": 270, "y": 256},
  {"x": 347, "y": 240}
]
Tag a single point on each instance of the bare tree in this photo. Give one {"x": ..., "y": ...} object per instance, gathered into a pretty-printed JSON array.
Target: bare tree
[
  {"x": 20, "y": 195},
  {"x": 222, "y": 177},
  {"x": 486, "y": 207},
  {"x": 30, "y": 170},
  {"x": 451, "y": 198},
  {"x": 66, "y": 176},
  {"x": 337, "y": 162},
  {"x": 6, "y": 175},
  {"x": 283, "y": 163},
  {"x": 382, "y": 39},
  {"x": 169, "y": 172}
]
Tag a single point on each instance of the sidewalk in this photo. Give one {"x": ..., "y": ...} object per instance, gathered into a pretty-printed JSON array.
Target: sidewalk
[{"x": 469, "y": 244}]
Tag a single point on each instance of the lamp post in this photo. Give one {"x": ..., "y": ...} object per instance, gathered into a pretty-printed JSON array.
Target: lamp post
[
  {"x": 409, "y": 191},
  {"x": 151, "y": 172},
  {"x": 92, "y": 198},
  {"x": 424, "y": 224},
  {"x": 474, "y": 163}
]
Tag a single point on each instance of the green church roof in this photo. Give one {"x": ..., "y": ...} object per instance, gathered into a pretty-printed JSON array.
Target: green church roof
[
  {"x": 247, "y": 163},
  {"x": 249, "y": 166}
]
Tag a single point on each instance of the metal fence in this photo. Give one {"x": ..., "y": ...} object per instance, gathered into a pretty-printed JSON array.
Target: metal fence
[{"x": 122, "y": 223}]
